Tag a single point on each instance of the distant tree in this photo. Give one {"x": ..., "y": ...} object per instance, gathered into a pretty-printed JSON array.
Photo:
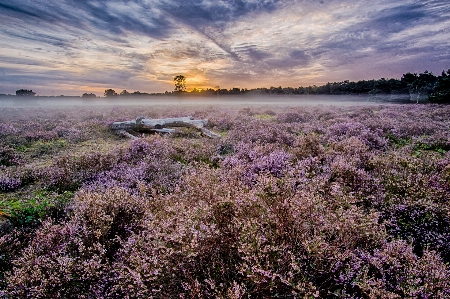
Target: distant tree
[
  {"x": 25, "y": 93},
  {"x": 180, "y": 83},
  {"x": 426, "y": 82},
  {"x": 234, "y": 90},
  {"x": 209, "y": 92},
  {"x": 409, "y": 78},
  {"x": 124, "y": 93},
  {"x": 420, "y": 86},
  {"x": 276, "y": 90},
  {"x": 88, "y": 95},
  {"x": 441, "y": 92},
  {"x": 138, "y": 93},
  {"x": 397, "y": 86},
  {"x": 110, "y": 93},
  {"x": 301, "y": 90}
]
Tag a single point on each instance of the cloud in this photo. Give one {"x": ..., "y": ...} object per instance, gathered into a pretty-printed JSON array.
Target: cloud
[
  {"x": 296, "y": 58},
  {"x": 206, "y": 12},
  {"x": 398, "y": 18},
  {"x": 18, "y": 11},
  {"x": 219, "y": 42},
  {"x": 151, "y": 18}
]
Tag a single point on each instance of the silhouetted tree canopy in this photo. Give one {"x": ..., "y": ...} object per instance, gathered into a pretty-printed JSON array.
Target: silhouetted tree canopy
[
  {"x": 88, "y": 95},
  {"x": 441, "y": 92},
  {"x": 180, "y": 83},
  {"x": 110, "y": 93},
  {"x": 25, "y": 93},
  {"x": 421, "y": 86}
]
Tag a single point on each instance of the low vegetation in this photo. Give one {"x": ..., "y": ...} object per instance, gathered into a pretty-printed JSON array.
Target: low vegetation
[{"x": 312, "y": 202}]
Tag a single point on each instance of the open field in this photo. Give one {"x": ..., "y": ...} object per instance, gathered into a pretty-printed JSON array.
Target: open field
[
  {"x": 338, "y": 200},
  {"x": 193, "y": 101}
]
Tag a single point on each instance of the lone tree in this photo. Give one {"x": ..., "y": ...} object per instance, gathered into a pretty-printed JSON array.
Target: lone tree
[
  {"x": 180, "y": 83},
  {"x": 25, "y": 93}
]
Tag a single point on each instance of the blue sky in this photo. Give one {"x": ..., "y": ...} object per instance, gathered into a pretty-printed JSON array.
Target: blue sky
[{"x": 71, "y": 47}]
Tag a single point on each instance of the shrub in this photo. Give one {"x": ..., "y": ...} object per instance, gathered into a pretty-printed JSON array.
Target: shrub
[
  {"x": 393, "y": 271},
  {"x": 8, "y": 183},
  {"x": 262, "y": 132},
  {"x": 69, "y": 173},
  {"x": 372, "y": 138},
  {"x": 315, "y": 203},
  {"x": 71, "y": 260},
  {"x": 10, "y": 157}
]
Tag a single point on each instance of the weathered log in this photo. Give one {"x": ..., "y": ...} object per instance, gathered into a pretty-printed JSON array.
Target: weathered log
[
  {"x": 209, "y": 133},
  {"x": 145, "y": 124},
  {"x": 126, "y": 134},
  {"x": 159, "y": 125}
]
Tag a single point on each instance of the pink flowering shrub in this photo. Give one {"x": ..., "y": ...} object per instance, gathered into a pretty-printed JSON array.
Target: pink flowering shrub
[
  {"x": 8, "y": 183},
  {"x": 13, "y": 178},
  {"x": 10, "y": 157},
  {"x": 258, "y": 131},
  {"x": 69, "y": 173},
  {"x": 294, "y": 117},
  {"x": 254, "y": 160},
  {"x": 308, "y": 145},
  {"x": 393, "y": 271},
  {"x": 311, "y": 202},
  {"x": 7, "y": 129},
  {"x": 372, "y": 138},
  {"x": 72, "y": 259}
]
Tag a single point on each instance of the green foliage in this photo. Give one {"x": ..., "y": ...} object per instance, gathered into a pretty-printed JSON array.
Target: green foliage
[
  {"x": 436, "y": 87},
  {"x": 30, "y": 212},
  {"x": 436, "y": 147},
  {"x": 398, "y": 142},
  {"x": 40, "y": 148},
  {"x": 264, "y": 116}
]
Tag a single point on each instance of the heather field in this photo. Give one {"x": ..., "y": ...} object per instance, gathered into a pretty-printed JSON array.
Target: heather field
[{"x": 317, "y": 201}]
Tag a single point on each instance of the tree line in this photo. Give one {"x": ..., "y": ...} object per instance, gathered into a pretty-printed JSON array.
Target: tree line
[
  {"x": 435, "y": 88},
  {"x": 425, "y": 85}
]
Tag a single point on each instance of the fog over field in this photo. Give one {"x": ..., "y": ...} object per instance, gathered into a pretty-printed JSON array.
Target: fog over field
[{"x": 277, "y": 101}]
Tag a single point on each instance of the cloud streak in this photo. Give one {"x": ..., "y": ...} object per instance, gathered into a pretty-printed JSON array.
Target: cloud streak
[{"x": 75, "y": 46}]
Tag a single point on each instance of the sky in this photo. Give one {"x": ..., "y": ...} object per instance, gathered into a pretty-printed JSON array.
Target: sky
[{"x": 71, "y": 47}]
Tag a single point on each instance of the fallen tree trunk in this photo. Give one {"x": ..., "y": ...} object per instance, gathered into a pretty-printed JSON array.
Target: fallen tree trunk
[{"x": 159, "y": 125}]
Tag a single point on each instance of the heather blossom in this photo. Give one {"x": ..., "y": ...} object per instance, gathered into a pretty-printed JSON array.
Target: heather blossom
[{"x": 294, "y": 202}]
